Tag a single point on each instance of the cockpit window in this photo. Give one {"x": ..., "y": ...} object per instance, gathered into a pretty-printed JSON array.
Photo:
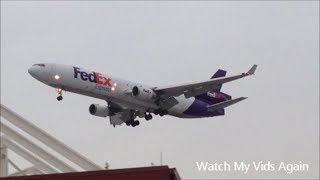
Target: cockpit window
[{"x": 41, "y": 65}]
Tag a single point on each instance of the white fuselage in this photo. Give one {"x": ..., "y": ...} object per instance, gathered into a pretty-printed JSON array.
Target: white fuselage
[{"x": 102, "y": 86}]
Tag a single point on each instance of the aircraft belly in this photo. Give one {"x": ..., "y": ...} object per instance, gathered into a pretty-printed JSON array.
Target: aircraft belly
[{"x": 181, "y": 107}]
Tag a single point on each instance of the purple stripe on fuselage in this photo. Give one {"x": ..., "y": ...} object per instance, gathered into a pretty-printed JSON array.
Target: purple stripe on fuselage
[{"x": 199, "y": 108}]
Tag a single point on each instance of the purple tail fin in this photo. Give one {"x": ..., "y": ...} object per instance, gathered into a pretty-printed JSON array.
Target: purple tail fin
[
  {"x": 213, "y": 97},
  {"x": 219, "y": 73}
]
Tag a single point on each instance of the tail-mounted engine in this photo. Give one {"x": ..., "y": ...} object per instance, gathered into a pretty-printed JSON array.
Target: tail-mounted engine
[
  {"x": 143, "y": 93},
  {"x": 98, "y": 110}
]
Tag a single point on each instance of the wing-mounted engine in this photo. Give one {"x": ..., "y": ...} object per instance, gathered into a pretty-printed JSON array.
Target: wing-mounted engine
[
  {"x": 99, "y": 110},
  {"x": 143, "y": 93}
]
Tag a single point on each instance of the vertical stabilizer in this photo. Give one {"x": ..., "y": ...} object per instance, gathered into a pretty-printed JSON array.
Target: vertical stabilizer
[{"x": 219, "y": 73}]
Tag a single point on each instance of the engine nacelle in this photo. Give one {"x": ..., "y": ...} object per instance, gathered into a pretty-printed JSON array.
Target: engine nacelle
[
  {"x": 98, "y": 110},
  {"x": 143, "y": 93}
]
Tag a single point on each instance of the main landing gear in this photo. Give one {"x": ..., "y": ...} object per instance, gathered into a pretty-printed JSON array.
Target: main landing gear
[
  {"x": 133, "y": 123},
  {"x": 148, "y": 116},
  {"x": 160, "y": 112}
]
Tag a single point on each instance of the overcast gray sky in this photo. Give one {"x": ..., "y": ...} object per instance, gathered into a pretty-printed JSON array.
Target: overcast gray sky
[{"x": 167, "y": 43}]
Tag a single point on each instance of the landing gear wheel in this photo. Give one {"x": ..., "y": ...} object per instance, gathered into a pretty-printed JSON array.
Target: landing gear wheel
[
  {"x": 164, "y": 112},
  {"x": 59, "y": 90},
  {"x": 137, "y": 123},
  {"x": 128, "y": 123},
  {"x": 59, "y": 98},
  {"x": 160, "y": 112},
  {"x": 156, "y": 112},
  {"x": 148, "y": 117}
]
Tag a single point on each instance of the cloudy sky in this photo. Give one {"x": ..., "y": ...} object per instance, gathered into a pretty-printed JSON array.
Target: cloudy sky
[{"x": 167, "y": 43}]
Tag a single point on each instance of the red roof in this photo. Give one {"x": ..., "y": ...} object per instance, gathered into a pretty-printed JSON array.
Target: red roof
[{"x": 154, "y": 173}]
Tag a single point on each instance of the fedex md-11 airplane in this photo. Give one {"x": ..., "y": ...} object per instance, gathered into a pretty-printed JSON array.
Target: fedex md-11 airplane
[{"x": 127, "y": 100}]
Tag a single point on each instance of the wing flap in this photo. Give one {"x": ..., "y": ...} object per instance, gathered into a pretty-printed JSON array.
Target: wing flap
[
  {"x": 169, "y": 103},
  {"x": 120, "y": 117},
  {"x": 225, "y": 104}
]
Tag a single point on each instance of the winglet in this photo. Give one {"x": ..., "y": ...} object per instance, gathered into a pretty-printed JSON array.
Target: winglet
[{"x": 251, "y": 70}]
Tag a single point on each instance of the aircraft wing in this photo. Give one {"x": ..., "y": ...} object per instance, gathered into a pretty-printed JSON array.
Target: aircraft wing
[{"x": 194, "y": 89}]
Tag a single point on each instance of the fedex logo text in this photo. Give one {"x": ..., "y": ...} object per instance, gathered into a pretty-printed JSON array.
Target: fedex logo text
[
  {"x": 92, "y": 77},
  {"x": 214, "y": 95}
]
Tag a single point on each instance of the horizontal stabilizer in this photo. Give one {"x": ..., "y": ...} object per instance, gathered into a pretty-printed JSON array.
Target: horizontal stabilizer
[{"x": 225, "y": 104}]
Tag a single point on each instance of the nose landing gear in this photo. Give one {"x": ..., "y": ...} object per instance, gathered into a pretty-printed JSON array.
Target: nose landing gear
[{"x": 59, "y": 98}]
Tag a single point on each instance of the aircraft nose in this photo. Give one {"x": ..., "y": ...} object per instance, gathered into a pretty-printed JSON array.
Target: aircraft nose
[
  {"x": 32, "y": 71},
  {"x": 40, "y": 72}
]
